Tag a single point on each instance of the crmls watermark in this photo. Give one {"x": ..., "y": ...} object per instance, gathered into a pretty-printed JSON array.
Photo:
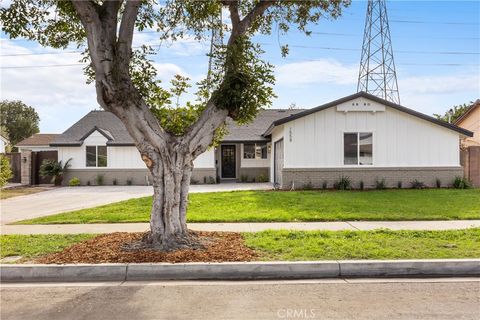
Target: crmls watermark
[{"x": 296, "y": 313}]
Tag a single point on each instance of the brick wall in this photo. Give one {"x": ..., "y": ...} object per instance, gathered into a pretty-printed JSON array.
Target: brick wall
[{"x": 316, "y": 177}]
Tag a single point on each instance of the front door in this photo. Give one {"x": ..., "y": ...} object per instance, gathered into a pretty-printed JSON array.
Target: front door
[
  {"x": 278, "y": 162},
  {"x": 228, "y": 161}
]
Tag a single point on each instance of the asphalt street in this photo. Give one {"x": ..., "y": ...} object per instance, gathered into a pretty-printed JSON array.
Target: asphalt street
[{"x": 313, "y": 299}]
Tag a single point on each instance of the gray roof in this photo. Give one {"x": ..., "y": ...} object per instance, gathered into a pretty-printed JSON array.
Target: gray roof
[
  {"x": 104, "y": 122},
  {"x": 254, "y": 130},
  {"x": 114, "y": 130}
]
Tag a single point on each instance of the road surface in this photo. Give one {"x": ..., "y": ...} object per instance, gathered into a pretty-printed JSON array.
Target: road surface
[{"x": 312, "y": 299}]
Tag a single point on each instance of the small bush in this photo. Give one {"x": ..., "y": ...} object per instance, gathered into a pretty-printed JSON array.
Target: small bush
[
  {"x": 324, "y": 185},
  {"x": 380, "y": 184},
  {"x": 114, "y": 182},
  {"x": 343, "y": 183},
  {"x": 416, "y": 184},
  {"x": 461, "y": 183},
  {"x": 74, "y": 182},
  {"x": 361, "y": 185},
  {"x": 262, "y": 178},
  {"x": 211, "y": 180},
  {"x": 399, "y": 184},
  {"x": 243, "y": 178},
  {"x": 193, "y": 181},
  {"x": 308, "y": 186},
  {"x": 88, "y": 183},
  {"x": 99, "y": 180},
  {"x": 438, "y": 183},
  {"x": 129, "y": 182},
  {"x": 5, "y": 170}
]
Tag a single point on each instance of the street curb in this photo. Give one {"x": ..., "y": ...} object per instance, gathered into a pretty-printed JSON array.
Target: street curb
[{"x": 240, "y": 270}]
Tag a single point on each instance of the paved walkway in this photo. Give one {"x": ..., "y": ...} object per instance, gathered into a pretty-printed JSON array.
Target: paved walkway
[
  {"x": 74, "y": 198},
  {"x": 244, "y": 227}
]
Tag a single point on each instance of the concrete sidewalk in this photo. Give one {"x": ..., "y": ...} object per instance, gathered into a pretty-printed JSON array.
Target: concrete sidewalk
[
  {"x": 245, "y": 227},
  {"x": 75, "y": 198}
]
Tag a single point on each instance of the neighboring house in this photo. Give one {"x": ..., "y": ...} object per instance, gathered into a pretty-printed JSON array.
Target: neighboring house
[
  {"x": 470, "y": 120},
  {"x": 470, "y": 157},
  {"x": 360, "y": 136},
  {"x": 37, "y": 142},
  {"x": 3, "y": 144}
]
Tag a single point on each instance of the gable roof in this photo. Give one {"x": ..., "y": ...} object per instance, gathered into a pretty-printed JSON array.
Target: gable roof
[
  {"x": 38, "y": 139},
  {"x": 363, "y": 94},
  {"x": 253, "y": 131},
  {"x": 102, "y": 121},
  {"x": 4, "y": 139},
  {"x": 475, "y": 105}
]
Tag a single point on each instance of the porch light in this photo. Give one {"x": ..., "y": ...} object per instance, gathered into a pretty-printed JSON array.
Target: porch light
[{"x": 269, "y": 148}]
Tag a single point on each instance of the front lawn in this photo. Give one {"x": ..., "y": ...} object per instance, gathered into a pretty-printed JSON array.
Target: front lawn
[
  {"x": 20, "y": 191},
  {"x": 377, "y": 244},
  {"x": 267, "y": 245},
  {"x": 31, "y": 246},
  {"x": 266, "y": 206}
]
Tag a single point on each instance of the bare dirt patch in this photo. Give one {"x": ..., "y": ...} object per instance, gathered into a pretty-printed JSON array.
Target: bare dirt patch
[{"x": 110, "y": 248}]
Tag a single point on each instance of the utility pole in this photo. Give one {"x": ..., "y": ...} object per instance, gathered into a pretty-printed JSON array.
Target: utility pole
[{"x": 377, "y": 73}]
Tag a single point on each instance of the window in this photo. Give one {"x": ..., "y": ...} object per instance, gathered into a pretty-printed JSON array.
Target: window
[
  {"x": 358, "y": 148},
  {"x": 255, "y": 151},
  {"x": 96, "y": 156}
]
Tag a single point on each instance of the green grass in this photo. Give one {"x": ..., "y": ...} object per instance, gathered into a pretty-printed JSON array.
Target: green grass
[
  {"x": 264, "y": 206},
  {"x": 31, "y": 246},
  {"x": 378, "y": 244}
]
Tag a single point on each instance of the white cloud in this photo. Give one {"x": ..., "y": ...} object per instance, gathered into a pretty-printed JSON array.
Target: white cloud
[
  {"x": 440, "y": 84},
  {"x": 316, "y": 72}
]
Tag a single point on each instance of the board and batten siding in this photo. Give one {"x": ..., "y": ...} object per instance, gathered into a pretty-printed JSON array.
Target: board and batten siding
[
  {"x": 399, "y": 140},
  {"x": 119, "y": 157}
]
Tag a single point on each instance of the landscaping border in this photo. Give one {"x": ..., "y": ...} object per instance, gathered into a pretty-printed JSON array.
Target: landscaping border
[{"x": 241, "y": 270}]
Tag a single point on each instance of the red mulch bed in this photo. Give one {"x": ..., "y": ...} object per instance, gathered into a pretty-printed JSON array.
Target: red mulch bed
[{"x": 109, "y": 248}]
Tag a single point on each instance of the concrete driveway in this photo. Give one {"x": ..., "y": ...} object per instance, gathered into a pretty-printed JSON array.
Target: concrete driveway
[{"x": 75, "y": 198}]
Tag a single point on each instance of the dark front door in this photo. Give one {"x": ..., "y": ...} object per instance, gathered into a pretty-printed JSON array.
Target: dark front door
[{"x": 228, "y": 161}]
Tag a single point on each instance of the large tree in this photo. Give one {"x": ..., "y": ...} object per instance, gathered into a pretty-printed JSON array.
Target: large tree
[
  {"x": 454, "y": 113},
  {"x": 126, "y": 82},
  {"x": 18, "y": 121}
]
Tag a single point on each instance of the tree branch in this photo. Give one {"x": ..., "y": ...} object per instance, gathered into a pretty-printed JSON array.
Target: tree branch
[{"x": 127, "y": 27}]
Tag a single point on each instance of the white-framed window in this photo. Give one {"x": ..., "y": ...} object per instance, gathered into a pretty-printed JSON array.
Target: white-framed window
[
  {"x": 358, "y": 148},
  {"x": 96, "y": 156},
  {"x": 255, "y": 151}
]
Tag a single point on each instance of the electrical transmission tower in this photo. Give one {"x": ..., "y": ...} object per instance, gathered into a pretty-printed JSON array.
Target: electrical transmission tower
[{"x": 377, "y": 73}]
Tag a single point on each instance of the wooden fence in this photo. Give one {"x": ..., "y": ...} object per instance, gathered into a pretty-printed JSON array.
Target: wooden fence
[{"x": 470, "y": 160}]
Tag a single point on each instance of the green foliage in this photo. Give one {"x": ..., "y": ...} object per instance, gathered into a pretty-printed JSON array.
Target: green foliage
[
  {"x": 417, "y": 184},
  {"x": 454, "y": 113},
  {"x": 99, "y": 179},
  {"x": 5, "y": 170},
  {"x": 343, "y": 183},
  {"x": 380, "y": 184},
  {"x": 54, "y": 169},
  {"x": 243, "y": 178},
  {"x": 308, "y": 186},
  {"x": 438, "y": 183},
  {"x": 74, "y": 182},
  {"x": 361, "y": 185},
  {"x": 262, "y": 178},
  {"x": 461, "y": 183},
  {"x": 18, "y": 120},
  {"x": 324, "y": 185},
  {"x": 399, "y": 184}
]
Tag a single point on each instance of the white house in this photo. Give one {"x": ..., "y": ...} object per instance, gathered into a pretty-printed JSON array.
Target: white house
[
  {"x": 3, "y": 144},
  {"x": 37, "y": 142},
  {"x": 360, "y": 136}
]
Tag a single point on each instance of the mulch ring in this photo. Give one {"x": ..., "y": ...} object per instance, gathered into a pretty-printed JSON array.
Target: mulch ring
[{"x": 109, "y": 248}]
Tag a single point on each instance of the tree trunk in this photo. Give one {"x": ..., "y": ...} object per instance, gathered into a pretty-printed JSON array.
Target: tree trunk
[{"x": 168, "y": 224}]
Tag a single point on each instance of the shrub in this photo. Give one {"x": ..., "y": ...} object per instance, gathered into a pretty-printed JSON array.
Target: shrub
[
  {"x": 380, "y": 184},
  {"x": 438, "y": 183},
  {"x": 193, "y": 181},
  {"x": 262, "y": 178},
  {"x": 243, "y": 178},
  {"x": 5, "y": 170},
  {"x": 54, "y": 169},
  {"x": 416, "y": 184},
  {"x": 88, "y": 183},
  {"x": 399, "y": 184},
  {"x": 74, "y": 182},
  {"x": 361, "y": 185},
  {"x": 129, "y": 181},
  {"x": 99, "y": 179},
  {"x": 308, "y": 186},
  {"x": 324, "y": 185},
  {"x": 114, "y": 182},
  {"x": 461, "y": 183},
  {"x": 211, "y": 180},
  {"x": 343, "y": 183}
]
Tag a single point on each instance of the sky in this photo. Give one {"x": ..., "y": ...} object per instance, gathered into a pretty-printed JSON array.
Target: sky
[{"x": 436, "y": 48}]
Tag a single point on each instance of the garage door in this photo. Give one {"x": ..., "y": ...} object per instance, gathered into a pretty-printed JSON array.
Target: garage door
[{"x": 278, "y": 162}]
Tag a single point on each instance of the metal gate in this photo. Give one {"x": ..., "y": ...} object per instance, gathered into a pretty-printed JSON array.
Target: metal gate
[
  {"x": 15, "y": 163},
  {"x": 37, "y": 159},
  {"x": 278, "y": 162}
]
